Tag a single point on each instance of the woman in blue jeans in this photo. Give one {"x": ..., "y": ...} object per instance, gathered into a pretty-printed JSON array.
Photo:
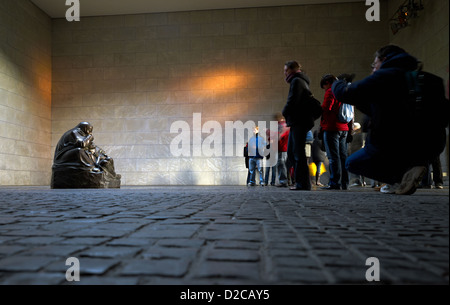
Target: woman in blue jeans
[{"x": 334, "y": 136}]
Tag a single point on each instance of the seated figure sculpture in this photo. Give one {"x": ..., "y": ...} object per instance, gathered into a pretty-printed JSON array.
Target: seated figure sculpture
[{"x": 79, "y": 163}]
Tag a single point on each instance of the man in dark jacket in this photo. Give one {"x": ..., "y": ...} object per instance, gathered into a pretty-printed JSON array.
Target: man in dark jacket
[
  {"x": 299, "y": 122},
  {"x": 393, "y": 152}
]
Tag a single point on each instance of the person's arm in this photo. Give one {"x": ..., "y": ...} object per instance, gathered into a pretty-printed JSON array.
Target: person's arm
[
  {"x": 328, "y": 99},
  {"x": 295, "y": 92},
  {"x": 360, "y": 94}
]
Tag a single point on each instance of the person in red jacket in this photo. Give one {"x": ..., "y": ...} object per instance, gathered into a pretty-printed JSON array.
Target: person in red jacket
[
  {"x": 283, "y": 138},
  {"x": 334, "y": 136}
]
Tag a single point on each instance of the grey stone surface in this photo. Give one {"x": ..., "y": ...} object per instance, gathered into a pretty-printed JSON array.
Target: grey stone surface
[{"x": 222, "y": 235}]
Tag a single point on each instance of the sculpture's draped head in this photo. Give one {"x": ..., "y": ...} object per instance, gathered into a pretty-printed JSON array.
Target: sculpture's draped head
[{"x": 86, "y": 127}]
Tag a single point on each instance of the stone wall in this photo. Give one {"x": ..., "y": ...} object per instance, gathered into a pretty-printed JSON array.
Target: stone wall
[
  {"x": 133, "y": 76},
  {"x": 426, "y": 37},
  {"x": 25, "y": 94}
]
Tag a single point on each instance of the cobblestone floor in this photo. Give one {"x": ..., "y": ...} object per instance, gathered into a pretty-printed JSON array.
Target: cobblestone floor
[{"x": 222, "y": 235}]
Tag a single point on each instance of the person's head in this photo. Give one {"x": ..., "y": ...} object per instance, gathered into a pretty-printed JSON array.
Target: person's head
[
  {"x": 279, "y": 117},
  {"x": 86, "y": 127},
  {"x": 256, "y": 130},
  {"x": 291, "y": 67},
  {"x": 383, "y": 53},
  {"x": 326, "y": 81}
]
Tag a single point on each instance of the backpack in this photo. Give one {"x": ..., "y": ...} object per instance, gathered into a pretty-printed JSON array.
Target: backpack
[
  {"x": 305, "y": 112},
  {"x": 313, "y": 106},
  {"x": 346, "y": 113},
  {"x": 427, "y": 102},
  {"x": 428, "y": 108}
]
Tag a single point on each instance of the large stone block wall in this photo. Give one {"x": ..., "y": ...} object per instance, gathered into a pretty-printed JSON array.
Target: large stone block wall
[
  {"x": 426, "y": 37},
  {"x": 133, "y": 76},
  {"x": 25, "y": 94}
]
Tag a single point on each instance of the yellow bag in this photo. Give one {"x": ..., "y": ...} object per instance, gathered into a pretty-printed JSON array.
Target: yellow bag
[{"x": 313, "y": 169}]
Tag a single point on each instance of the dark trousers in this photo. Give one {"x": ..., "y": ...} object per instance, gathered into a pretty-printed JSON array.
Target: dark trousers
[
  {"x": 297, "y": 156},
  {"x": 437, "y": 173},
  {"x": 378, "y": 165},
  {"x": 386, "y": 165}
]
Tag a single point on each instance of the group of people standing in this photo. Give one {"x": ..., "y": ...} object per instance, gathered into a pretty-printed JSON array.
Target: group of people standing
[
  {"x": 397, "y": 159},
  {"x": 279, "y": 164}
]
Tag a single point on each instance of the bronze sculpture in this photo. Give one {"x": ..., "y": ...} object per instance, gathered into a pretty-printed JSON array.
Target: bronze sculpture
[{"x": 79, "y": 163}]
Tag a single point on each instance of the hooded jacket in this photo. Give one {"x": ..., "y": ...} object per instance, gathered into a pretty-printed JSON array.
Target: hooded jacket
[
  {"x": 294, "y": 110},
  {"x": 383, "y": 96}
]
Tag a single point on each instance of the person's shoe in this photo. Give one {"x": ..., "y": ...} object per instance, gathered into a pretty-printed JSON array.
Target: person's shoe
[
  {"x": 298, "y": 188},
  {"x": 331, "y": 187},
  {"x": 411, "y": 180},
  {"x": 251, "y": 184},
  {"x": 282, "y": 185},
  {"x": 438, "y": 186},
  {"x": 319, "y": 184},
  {"x": 389, "y": 188},
  {"x": 344, "y": 187}
]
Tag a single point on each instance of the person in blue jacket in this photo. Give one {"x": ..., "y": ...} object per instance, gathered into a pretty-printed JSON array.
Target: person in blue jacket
[
  {"x": 392, "y": 151},
  {"x": 256, "y": 153}
]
